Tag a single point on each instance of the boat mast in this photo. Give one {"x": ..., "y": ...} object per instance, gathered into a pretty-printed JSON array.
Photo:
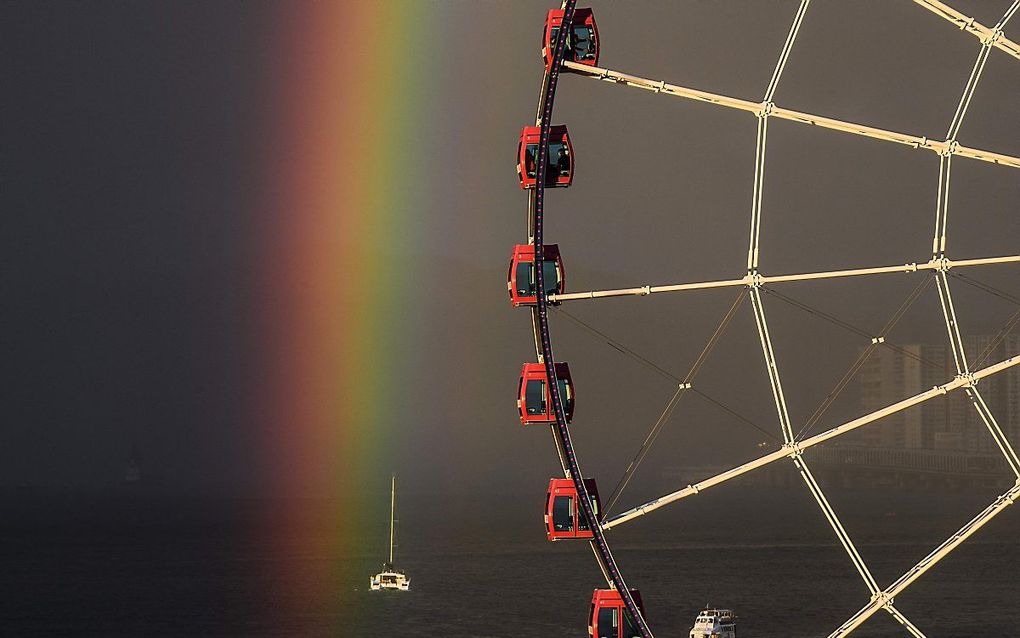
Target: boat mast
[{"x": 393, "y": 502}]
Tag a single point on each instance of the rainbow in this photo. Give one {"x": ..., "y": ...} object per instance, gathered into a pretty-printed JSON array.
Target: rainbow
[
  {"x": 346, "y": 148},
  {"x": 367, "y": 105}
]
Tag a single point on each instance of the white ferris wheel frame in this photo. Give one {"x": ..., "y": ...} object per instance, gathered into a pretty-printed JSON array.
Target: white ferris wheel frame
[{"x": 939, "y": 264}]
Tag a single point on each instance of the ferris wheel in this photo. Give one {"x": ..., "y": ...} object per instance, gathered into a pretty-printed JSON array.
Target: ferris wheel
[{"x": 536, "y": 281}]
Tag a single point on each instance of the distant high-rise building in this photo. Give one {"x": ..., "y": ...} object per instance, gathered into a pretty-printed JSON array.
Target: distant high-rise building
[{"x": 948, "y": 423}]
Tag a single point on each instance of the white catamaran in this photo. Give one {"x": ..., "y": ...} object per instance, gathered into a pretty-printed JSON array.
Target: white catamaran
[{"x": 390, "y": 577}]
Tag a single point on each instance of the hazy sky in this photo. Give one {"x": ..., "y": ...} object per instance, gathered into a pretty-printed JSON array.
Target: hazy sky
[{"x": 127, "y": 280}]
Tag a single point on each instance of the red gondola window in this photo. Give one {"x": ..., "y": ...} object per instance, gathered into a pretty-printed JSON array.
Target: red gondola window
[
  {"x": 563, "y": 513},
  {"x": 609, "y": 617},
  {"x": 534, "y": 399},
  {"x": 560, "y": 158},
  {"x": 582, "y": 41},
  {"x": 522, "y": 282},
  {"x": 563, "y": 516}
]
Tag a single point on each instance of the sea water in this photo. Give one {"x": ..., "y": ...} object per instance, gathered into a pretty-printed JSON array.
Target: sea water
[{"x": 131, "y": 566}]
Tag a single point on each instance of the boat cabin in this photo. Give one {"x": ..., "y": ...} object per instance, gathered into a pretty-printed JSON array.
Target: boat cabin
[
  {"x": 534, "y": 394},
  {"x": 609, "y": 616},
  {"x": 563, "y": 518},
  {"x": 559, "y": 159},
  {"x": 522, "y": 283},
  {"x": 389, "y": 578},
  {"x": 715, "y": 623},
  {"x": 582, "y": 40}
]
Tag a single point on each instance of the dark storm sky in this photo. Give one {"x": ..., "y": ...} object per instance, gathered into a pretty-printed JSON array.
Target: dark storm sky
[
  {"x": 129, "y": 239},
  {"x": 127, "y": 199}
]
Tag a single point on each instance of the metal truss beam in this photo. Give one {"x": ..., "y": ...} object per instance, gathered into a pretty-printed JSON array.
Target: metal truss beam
[
  {"x": 917, "y": 141},
  {"x": 994, "y": 35},
  {"x": 759, "y": 279}
]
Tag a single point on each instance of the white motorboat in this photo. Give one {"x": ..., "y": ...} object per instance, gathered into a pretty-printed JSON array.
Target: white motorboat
[{"x": 715, "y": 623}]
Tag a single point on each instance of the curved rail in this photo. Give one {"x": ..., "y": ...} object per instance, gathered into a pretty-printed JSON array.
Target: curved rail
[{"x": 543, "y": 342}]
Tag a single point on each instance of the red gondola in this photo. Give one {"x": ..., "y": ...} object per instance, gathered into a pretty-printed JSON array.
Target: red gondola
[
  {"x": 521, "y": 282},
  {"x": 582, "y": 43},
  {"x": 563, "y": 518},
  {"x": 609, "y": 616},
  {"x": 560, "y": 159},
  {"x": 534, "y": 396}
]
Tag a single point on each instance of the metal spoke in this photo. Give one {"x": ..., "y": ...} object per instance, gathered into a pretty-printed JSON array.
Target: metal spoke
[
  {"x": 975, "y": 28},
  {"x": 701, "y": 394},
  {"x": 916, "y": 141},
  {"x": 798, "y": 447},
  {"x": 876, "y": 341},
  {"x": 999, "y": 337},
  {"x": 619, "y": 347},
  {"x": 683, "y": 385},
  {"x": 992, "y": 290},
  {"x": 929, "y": 561},
  {"x": 758, "y": 278},
  {"x": 787, "y": 47},
  {"x": 1007, "y": 327}
]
